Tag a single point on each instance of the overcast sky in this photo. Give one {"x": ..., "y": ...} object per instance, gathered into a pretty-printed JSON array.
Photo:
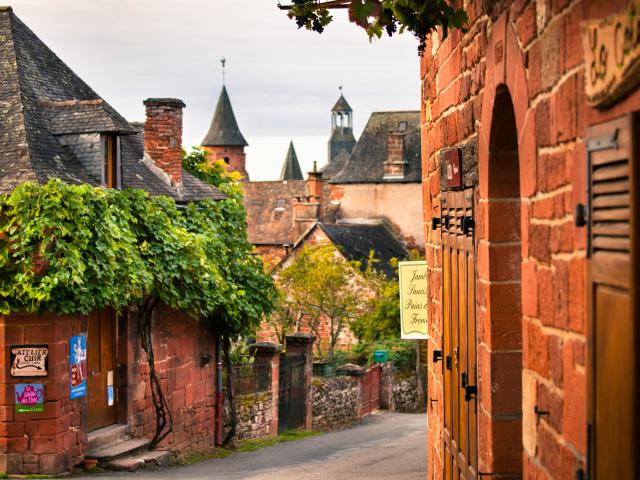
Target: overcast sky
[{"x": 282, "y": 81}]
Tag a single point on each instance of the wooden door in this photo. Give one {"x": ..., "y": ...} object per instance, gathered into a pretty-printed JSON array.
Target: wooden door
[
  {"x": 613, "y": 428},
  {"x": 459, "y": 335},
  {"x": 101, "y": 366}
]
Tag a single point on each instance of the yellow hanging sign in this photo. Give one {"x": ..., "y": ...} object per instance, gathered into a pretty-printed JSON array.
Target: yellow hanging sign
[{"x": 414, "y": 304}]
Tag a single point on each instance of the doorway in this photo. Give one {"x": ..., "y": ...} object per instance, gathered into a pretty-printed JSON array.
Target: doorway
[{"x": 101, "y": 369}]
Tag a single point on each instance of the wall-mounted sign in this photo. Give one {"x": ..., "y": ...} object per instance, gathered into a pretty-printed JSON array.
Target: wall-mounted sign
[
  {"x": 612, "y": 56},
  {"x": 29, "y": 360},
  {"x": 29, "y": 397},
  {"x": 414, "y": 300},
  {"x": 110, "y": 397},
  {"x": 78, "y": 362},
  {"x": 452, "y": 168}
]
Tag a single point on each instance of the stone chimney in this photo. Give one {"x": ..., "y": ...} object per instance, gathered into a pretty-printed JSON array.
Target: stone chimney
[
  {"x": 315, "y": 187},
  {"x": 395, "y": 165},
  {"x": 163, "y": 136}
]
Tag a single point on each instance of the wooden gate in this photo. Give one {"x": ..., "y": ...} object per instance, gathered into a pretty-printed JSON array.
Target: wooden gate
[
  {"x": 613, "y": 419},
  {"x": 291, "y": 398},
  {"x": 370, "y": 390},
  {"x": 459, "y": 335}
]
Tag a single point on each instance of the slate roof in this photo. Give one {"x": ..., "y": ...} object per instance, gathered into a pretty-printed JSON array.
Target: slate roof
[
  {"x": 41, "y": 97},
  {"x": 356, "y": 241},
  {"x": 224, "y": 130},
  {"x": 333, "y": 167},
  {"x": 366, "y": 163},
  {"x": 341, "y": 105},
  {"x": 291, "y": 168},
  {"x": 267, "y": 223}
]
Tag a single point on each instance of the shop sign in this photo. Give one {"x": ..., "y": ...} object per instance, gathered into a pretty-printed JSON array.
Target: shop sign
[
  {"x": 29, "y": 360},
  {"x": 414, "y": 305},
  {"x": 78, "y": 362},
  {"x": 612, "y": 56},
  {"x": 29, "y": 397}
]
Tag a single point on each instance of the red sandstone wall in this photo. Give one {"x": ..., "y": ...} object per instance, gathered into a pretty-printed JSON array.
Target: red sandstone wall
[
  {"x": 235, "y": 154},
  {"x": 534, "y": 48}
]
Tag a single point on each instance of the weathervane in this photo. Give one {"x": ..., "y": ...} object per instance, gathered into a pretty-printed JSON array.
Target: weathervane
[{"x": 223, "y": 61}]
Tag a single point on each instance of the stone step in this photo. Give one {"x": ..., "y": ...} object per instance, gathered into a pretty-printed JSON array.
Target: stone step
[
  {"x": 107, "y": 436},
  {"x": 156, "y": 458},
  {"x": 120, "y": 449}
]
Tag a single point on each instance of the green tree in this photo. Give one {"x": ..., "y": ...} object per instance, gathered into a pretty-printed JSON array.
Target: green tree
[
  {"x": 284, "y": 317},
  {"x": 322, "y": 284},
  {"x": 420, "y": 17}
]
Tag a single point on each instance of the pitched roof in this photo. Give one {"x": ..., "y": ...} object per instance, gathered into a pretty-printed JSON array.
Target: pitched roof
[
  {"x": 333, "y": 167},
  {"x": 356, "y": 241},
  {"x": 366, "y": 163},
  {"x": 40, "y": 98},
  {"x": 341, "y": 105},
  {"x": 291, "y": 168},
  {"x": 224, "y": 130},
  {"x": 271, "y": 223}
]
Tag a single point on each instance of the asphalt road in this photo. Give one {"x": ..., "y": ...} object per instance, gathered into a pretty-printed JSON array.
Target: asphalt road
[{"x": 390, "y": 446}]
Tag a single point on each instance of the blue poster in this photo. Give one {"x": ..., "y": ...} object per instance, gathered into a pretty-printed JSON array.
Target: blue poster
[{"x": 78, "y": 362}]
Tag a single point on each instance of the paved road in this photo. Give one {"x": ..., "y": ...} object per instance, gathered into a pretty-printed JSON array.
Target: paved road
[{"x": 384, "y": 446}]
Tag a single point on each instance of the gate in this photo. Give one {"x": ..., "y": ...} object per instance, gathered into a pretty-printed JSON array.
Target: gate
[
  {"x": 291, "y": 398},
  {"x": 370, "y": 390},
  {"x": 459, "y": 335}
]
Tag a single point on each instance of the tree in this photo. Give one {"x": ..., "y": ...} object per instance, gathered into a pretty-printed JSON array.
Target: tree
[
  {"x": 420, "y": 17},
  {"x": 321, "y": 284},
  {"x": 284, "y": 317},
  {"x": 381, "y": 320}
]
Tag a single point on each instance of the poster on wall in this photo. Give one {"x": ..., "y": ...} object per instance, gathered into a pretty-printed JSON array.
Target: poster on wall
[
  {"x": 29, "y": 397},
  {"x": 414, "y": 304},
  {"x": 78, "y": 362},
  {"x": 29, "y": 360},
  {"x": 110, "y": 399}
]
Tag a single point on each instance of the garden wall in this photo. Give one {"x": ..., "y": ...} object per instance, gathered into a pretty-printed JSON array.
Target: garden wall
[
  {"x": 255, "y": 415},
  {"x": 336, "y": 402}
]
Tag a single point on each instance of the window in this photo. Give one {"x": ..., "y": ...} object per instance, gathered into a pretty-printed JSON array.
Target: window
[
  {"x": 110, "y": 161},
  {"x": 402, "y": 126},
  {"x": 226, "y": 160},
  {"x": 280, "y": 203}
]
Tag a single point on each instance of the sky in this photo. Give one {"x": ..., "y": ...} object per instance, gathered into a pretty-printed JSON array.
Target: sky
[{"x": 282, "y": 81}]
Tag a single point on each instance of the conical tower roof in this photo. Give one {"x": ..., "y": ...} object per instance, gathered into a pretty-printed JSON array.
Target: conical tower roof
[
  {"x": 224, "y": 130},
  {"x": 291, "y": 169},
  {"x": 341, "y": 105}
]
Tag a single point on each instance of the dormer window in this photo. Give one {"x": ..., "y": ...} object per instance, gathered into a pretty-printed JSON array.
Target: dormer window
[
  {"x": 111, "y": 161},
  {"x": 402, "y": 126},
  {"x": 280, "y": 203}
]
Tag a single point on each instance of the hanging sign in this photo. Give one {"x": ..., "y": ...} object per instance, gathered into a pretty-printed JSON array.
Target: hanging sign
[
  {"x": 78, "y": 362},
  {"x": 612, "y": 56},
  {"x": 29, "y": 360},
  {"x": 29, "y": 397},
  {"x": 414, "y": 305}
]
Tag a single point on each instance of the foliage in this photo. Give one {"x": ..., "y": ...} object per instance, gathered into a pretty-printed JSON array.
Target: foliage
[
  {"x": 320, "y": 283},
  {"x": 284, "y": 318},
  {"x": 402, "y": 353},
  {"x": 420, "y": 17}
]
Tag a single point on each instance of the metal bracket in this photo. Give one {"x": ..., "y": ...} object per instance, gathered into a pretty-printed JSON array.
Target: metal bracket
[
  {"x": 435, "y": 223},
  {"x": 437, "y": 356}
]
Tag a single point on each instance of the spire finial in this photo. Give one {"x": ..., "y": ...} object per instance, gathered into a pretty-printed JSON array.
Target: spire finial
[
  {"x": 340, "y": 88},
  {"x": 223, "y": 61},
  {"x": 315, "y": 166}
]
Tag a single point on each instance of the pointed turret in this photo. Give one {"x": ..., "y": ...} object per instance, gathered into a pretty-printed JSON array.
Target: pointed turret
[
  {"x": 291, "y": 169},
  {"x": 224, "y": 139},
  {"x": 342, "y": 139}
]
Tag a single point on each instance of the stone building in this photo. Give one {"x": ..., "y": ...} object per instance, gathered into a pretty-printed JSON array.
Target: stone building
[
  {"x": 529, "y": 151},
  {"x": 53, "y": 125}
]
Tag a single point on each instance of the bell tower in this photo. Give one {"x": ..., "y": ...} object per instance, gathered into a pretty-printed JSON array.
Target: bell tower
[{"x": 342, "y": 138}]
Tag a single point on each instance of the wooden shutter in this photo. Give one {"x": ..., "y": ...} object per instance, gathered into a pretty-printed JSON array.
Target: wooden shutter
[{"x": 613, "y": 334}]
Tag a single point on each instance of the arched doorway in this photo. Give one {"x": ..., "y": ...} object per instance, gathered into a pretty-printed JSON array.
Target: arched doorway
[{"x": 500, "y": 300}]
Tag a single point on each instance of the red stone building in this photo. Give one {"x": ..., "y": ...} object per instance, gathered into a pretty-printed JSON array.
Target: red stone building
[
  {"x": 53, "y": 125},
  {"x": 529, "y": 151}
]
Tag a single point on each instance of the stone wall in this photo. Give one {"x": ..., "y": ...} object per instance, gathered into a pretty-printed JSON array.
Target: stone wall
[
  {"x": 405, "y": 394},
  {"x": 255, "y": 415},
  {"x": 336, "y": 402}
]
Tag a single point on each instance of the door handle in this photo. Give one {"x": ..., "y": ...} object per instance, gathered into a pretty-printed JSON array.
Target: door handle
[{"x": 470, "y": 391}]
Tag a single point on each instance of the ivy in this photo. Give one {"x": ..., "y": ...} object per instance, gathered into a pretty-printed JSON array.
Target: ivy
[{"x": 420, "y": 17}]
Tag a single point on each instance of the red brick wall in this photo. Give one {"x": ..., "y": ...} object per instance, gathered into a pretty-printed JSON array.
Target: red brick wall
[
  {"x": 531, "y": 282},
  {"x": 163, "y": 135},
  {"x": 235, "y": 154}
]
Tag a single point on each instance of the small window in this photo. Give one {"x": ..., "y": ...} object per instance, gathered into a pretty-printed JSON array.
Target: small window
[
  {"x": 402, "y": 126},
  {"x": 280, "y": 203},
  {"x": 110, "y": 161},
  {"x": 226, "y": 160}
]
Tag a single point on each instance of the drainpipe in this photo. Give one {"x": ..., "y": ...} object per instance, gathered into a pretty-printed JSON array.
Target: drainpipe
[{"x": 219, "y": 394}]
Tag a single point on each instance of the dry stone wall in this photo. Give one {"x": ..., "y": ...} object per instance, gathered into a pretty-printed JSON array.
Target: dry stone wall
[
  {"x": 255, "y": 412},
  {"x": 335, "y": 402}
]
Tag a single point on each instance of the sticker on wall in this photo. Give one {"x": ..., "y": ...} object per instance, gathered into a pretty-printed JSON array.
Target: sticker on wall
[
  {"x": 29, "y": 360},
  {"x": 78, "y": 361},
  {"x": 414, "y": 297},
  {"x": 110, "y": 388},
  {"x": 29, "y": 397}
]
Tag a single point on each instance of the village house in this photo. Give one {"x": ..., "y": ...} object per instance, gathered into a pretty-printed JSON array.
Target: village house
[
  {"x": 529, "y": 151},
  {"x": 53, "y": 125}
]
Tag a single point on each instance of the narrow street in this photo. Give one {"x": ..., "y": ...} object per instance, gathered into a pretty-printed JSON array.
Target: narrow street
[{"x": 384, "y": 446}]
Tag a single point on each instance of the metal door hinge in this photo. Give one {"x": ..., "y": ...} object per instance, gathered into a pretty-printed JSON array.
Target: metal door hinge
[{"x": 437, "y": 356}]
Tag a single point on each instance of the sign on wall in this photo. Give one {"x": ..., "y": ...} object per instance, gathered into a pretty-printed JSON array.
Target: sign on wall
[
  {"x": 414, "y": 305},
  {"x": 78, "y": 362},
  {"x": 612, "y": 56},
  {"x": 29, "y": 360},
  {"x": 29, "y": 397}
]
